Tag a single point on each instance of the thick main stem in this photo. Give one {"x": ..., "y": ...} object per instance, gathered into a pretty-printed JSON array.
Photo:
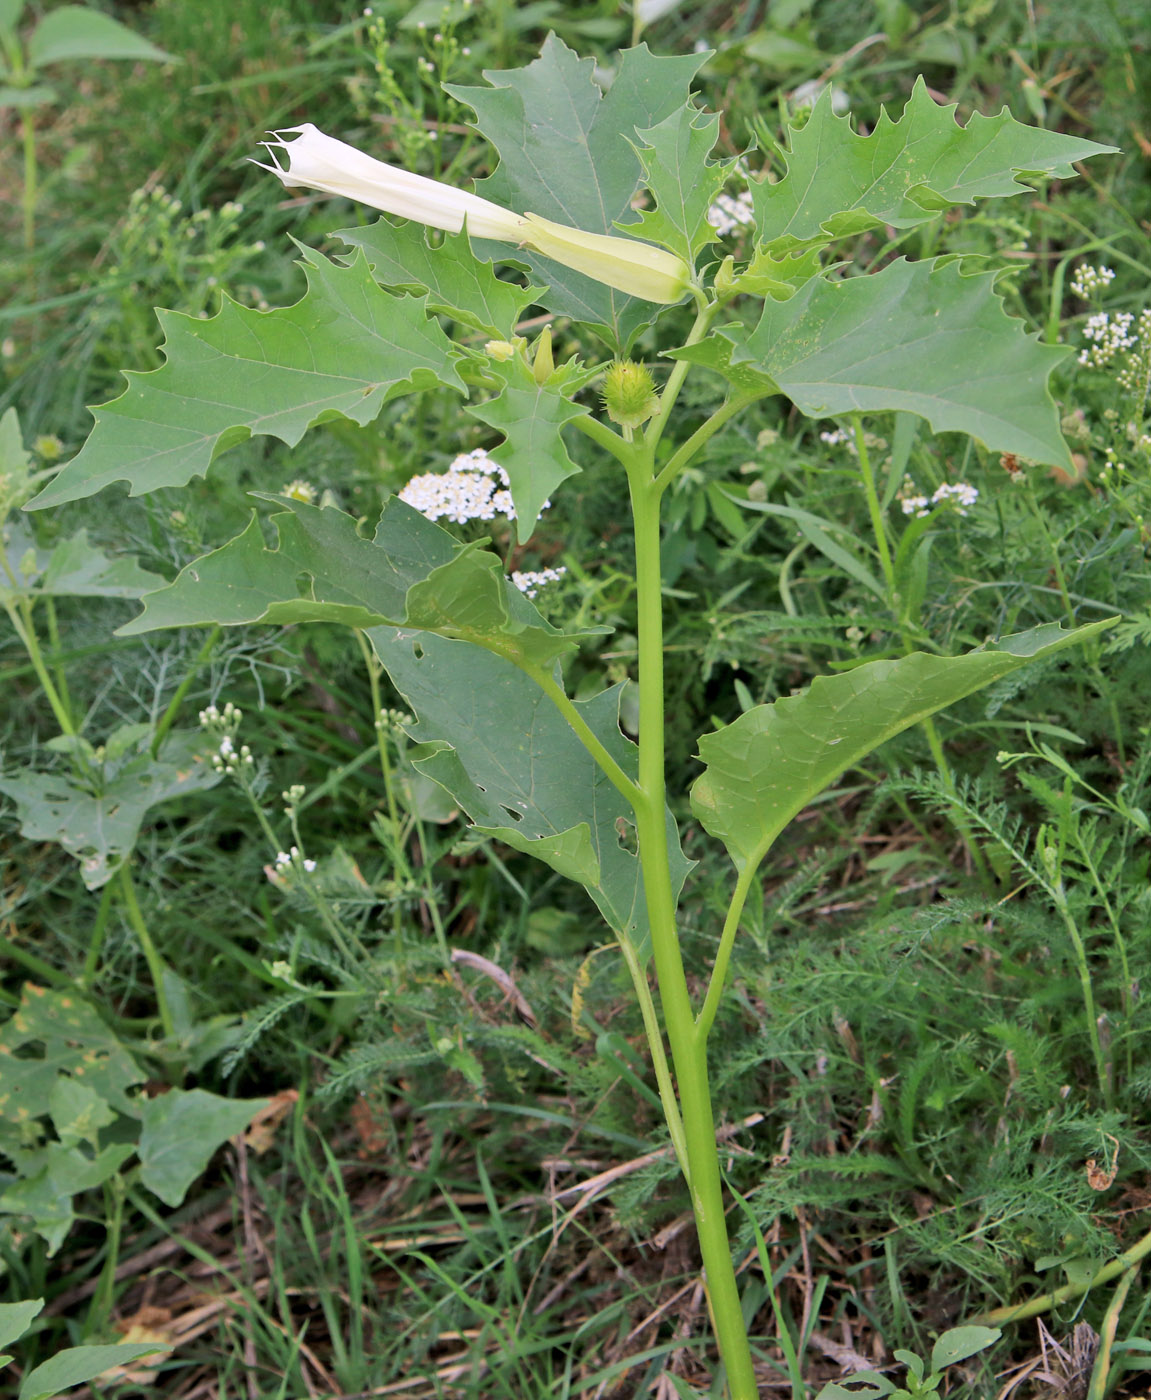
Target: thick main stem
[{"x": 688, "y": 1045}]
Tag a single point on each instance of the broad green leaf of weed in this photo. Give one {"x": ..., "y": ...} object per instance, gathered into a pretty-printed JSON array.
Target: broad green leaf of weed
[
  {"x": 74, "y": 1041},
  {"x": 182, "y": 1129},
  {"x": 78, "y": 1112},
  {"x": 918, "y": 337},
  {"x": 76, "y": 1366},
  {"x": 46, "y": 1207},
  {"x": 343, "y": 351},
  {"x": 322, "y": 570},
  {"x": 15, "y": 1320},
  {"x": 78, "y": 32},
  {"x": 905, "y": 172},
  {"x": 959, "y": 1343},
  {"x": 99, "y": 825},
  {"x": 683, "y": 181},
  {"x": 763, "y": 769},
  {"x": 74, "y": 568},
  {"x": 498, "y": 745},
  {"x": 565, "y": 153},
  {"x": 530, "y": 416},
  {"x": 458, "y": 283}
]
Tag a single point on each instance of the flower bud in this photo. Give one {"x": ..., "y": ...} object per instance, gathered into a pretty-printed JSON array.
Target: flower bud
[
  {"x": 500, "y": 349},
  {"x": 629, "y": 394},
  {"x": 638, "y": 269},
  {"x": 544, "y": 365}
]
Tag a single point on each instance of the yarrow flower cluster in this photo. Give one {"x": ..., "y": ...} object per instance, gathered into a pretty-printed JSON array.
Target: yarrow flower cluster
[
  {"x": 473, "y": 488},
  {"x": 1109, "y": 333},
  {"x": 287, "y": 861},
  {"x": 958, "y": 494},
  {"x": 227, "y": 758},
  {"x": 730, "y": 213},
  {"x": 530, "y": 581},
  {"x": 1088, "y": 281}
]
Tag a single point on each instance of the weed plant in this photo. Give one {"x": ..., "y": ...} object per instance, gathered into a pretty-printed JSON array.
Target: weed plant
[{"x": 905, "y": 1022}]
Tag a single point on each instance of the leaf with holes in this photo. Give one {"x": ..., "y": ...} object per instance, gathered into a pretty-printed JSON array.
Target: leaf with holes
[
  {"x": 343, "y": 351},
  {"x": 99, "y": 822},
  {"x": 495, "y": 741},
  {"x": 763, "y": 769},
  {"x": 323, "y": 570}
]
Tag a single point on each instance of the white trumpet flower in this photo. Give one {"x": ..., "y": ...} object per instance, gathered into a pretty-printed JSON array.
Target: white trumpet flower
[{"x": 320, "y": 162}]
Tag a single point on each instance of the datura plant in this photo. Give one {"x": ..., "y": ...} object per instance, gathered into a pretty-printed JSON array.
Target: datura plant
[{"x": 598, "y": 204}]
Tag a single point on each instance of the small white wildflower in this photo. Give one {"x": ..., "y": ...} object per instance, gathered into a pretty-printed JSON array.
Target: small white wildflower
[
  {"x": 530, "y": 581},
  {"x": 1088, "y": 281},
  {"x": 835, "y": 436},
  {"x": 730, "y": 213},
  {"x": 309, "y": 866},
  {"x": 958, "y": 494},
  {"x": 1109, "y": 332}
]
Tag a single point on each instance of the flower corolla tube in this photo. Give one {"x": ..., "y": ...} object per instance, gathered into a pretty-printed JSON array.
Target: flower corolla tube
[{"x": 320, "y": 162}]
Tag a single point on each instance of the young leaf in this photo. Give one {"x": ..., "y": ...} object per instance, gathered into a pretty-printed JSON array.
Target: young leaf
[
  {"x": 457, "y": 282},
  {"x": 75, "y": 31},
  {"x": 182, "y": 1129},
  {"x": 683, "y": 181},
  {"x": 905, "y": 172},
  {"x": 565, "y": 153},
  {"x": 323, "y": 570},
  {"x": 74, "y": 568},
  {"x": 863, "y": 1385},
  {"x": 961, "y": 1342},
  {"x": 771, "y": 762},
  {"x": 344, "y": 350},
  {"x": 918, "y": 337},
  {"x": 99, "y": 826},
  {"x": 78, "y": 1365},
  {"x": 507, "y": 756},
  {"x": 530, "y": 415}
]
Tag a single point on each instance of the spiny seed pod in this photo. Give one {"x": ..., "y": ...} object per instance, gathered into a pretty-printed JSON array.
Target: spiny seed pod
[{"x": 629, "y": 394}]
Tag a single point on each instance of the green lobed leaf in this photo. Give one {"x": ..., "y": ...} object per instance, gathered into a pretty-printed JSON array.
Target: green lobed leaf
[
  {"x": 763, "y": 769},
  {"x": 501, "y": 748},
  {"x": 565, "y": 153},
  {"x": 323, "y": 570},
  {"x": 342, "y": 351},
  {"x": 74, "y": 568},
  {"x": 78, "y": 1365},
  {"x": 75, "y": 31},
  {"x": 77, "y": 1111},
  {"x": 74, "y": 1044},
  {"x": 863, "y": 1385},
  {"x": 918, "y": 337},
  {"x": 905, "y": 172},
  {"x": 684, "y": 182},
  {"x": 99, "y": 824},
  {"x": 182, "y": 1129},
  {"x": 530, "y": 416},
  {"x": 458, "y": 283}
]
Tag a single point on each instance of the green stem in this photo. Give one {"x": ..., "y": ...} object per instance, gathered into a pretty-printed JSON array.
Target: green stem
[
  {"x": 654, "y": 430},
  {"x": 723, "y": 953},
  {"x": 687, "y": 450},
  {"x": 28, "y": 131},
  {"x": 875, "y": 510},
  {"x": 100, "y": 1311},
  {"x": 627, "y": 789},
  {"x": 99, "y": 929},
  {"x": 1060, "y": 898},
  {"x": 399, "y": 855},
  {"x": 151, "y": 956},
  {"x": 688, "y": 1046},
  {"x": 35, "y": 965},
  {"x": 1018, "y": 1312},
  {"x": 658, "y": 1058},
  {"x": 1098, "y": 1387},
  {"x": 20, "y": 616},
  {"x": 168, "y": 718}
]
